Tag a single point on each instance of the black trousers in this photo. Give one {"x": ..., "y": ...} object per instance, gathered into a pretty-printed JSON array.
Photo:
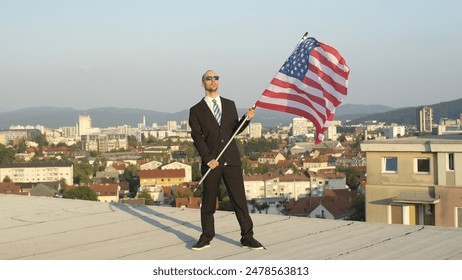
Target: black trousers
[{"x": 232, "y": 177}]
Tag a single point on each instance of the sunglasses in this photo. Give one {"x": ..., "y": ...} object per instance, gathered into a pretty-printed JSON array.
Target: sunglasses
[{"x": 209, "y": 78}]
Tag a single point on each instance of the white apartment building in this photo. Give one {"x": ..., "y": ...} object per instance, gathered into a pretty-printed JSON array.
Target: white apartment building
[
  {"x": 255, "y": 130},
  {"x": 394, "y": 131},
  {"x": 37, "y": 172},
  {"x": 172, "y": 126},
  {"x": 69, "y": 131},
  {"x": 104, "y": 142},
  {"x": 425, "y": 119},
  {"x": 299, "y": 126},
  {"x": 84, "y": 125},
  {"x": 261, "y": 186}
]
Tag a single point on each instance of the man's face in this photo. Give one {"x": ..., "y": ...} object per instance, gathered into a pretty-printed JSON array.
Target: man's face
[{"x": 210, "y": 81}]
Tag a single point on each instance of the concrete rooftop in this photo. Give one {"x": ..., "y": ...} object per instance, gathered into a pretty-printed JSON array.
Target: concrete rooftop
[{"x": 40, "y": 228}]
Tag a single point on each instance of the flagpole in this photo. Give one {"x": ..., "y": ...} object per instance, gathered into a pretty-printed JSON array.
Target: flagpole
[{"x": 243, "y": 120}]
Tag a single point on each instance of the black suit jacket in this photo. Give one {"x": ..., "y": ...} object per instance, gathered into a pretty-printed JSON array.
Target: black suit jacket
[{"x": 210, "y": 138}]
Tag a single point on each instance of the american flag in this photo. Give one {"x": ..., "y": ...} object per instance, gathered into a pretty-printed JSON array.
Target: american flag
[{"x": 311, "y": 83}]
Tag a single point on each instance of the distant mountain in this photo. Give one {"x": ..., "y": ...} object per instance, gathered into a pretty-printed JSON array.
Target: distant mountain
[
  {"x": 55, "y": 117},
  {"x": 408, "y": 116}
]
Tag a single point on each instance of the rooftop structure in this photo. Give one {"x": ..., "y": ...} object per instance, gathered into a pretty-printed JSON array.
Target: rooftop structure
[{"x": 42, "y": 228}]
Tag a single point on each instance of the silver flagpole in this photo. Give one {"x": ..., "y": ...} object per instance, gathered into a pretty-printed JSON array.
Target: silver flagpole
[{"x": 243, "y": 120}]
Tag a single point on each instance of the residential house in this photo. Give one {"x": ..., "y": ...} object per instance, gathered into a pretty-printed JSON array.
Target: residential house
[
  {"x": 274, "y": 205},
  {"x": 124, "y": 188},
  {"x": 309, "y": 147},
  {"x": 333, "y": 204},
  {"x": 415, "y": 181},
  {"x": 10, "y": 188},
  {"x": 107, "y": 176},
  {"x": 156, "y": 193},
  {"x": 270, "y": 157},
  {"x": 162, "y": 177},
  {"x": 286, "y": 166},
  {"x": 153, "y": 164},
  {"x": 326, "y": 179},
  {"x": 315, "y": 163},
  {"x": 118, "y": 167},
  {"x": 261, "y": 185},
  {"x": 106, "y": 192},
  {"x": 43, "y": 190},
  {"x": 293, "y": 186},
  {"x": 190, "y": 202},
  {"x": 178, "y": 165}
]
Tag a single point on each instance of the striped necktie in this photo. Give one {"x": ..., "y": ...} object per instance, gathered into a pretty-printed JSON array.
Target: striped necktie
[{"x": 216, "y": 111}]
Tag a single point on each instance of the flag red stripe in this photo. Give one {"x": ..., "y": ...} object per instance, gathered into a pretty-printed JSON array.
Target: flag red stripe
[
  {"x": 314, "y": 98},
  {"x": 291, "y": 110},
  {"x": 325, "y": 93},
  {"x": 323, "y": 60},
  {"x": 296, "y": 98},
  {"x": 328, "y": 79},
  {"x": 335, "y": 53}
]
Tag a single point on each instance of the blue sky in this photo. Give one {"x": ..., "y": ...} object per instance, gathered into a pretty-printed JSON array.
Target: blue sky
[{"x": 151, "y": 54}]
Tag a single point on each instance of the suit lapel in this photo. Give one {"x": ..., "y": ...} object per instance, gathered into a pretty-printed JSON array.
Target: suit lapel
[{"x": 209, "y": 113}]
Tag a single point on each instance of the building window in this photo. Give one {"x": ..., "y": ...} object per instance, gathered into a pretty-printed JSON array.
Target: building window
[
  {"x": 451, "y": 161},
  {"x": 390, "y": 164},
  {"x": 422, "y": 165}
]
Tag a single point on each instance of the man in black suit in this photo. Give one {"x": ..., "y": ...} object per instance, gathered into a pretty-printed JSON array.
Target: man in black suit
[{"x": 213, "y": 122}]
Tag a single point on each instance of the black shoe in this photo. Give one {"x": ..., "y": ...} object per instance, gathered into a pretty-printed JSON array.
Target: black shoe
[
  {"x": 251, "y": 243},
  {"x": 201, "y": 244}
]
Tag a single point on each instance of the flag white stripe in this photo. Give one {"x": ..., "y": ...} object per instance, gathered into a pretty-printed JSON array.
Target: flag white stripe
[
  {"x": 325, "y": 85},
  {"x": 332, "y": 58},
  {"x": 328, "y": 71},
  {"x": 292, "y": 104},
  {"x": 306, "y": 88},
  {"x": 317, "y": 106}
]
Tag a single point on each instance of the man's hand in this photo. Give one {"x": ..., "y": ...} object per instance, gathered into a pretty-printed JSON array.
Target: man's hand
[
  {"x": 250, "y": 114},
  {"x": 213, "y": 164}
]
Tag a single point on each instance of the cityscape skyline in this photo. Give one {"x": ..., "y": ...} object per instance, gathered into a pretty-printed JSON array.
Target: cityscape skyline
[
  {"x": 117, "y": 54},
  {"x": 106, "y": 116}
]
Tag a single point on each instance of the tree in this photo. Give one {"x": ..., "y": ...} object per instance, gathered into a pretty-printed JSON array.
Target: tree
[
  {"x": 7, "y": 179},
  {"x": 294, "y": 168},
  {"x": 196, "y": 172},
  {"x": 184, "y": 193},
  {"x": 129, "y": 172},
  {"x": 62, "y": 184},
  {"x": 81, "y": 192},
  {"x": 21, "y": 147},
  {"x": 131, "y": 141},
  {"x": 359, "y": 206},
  {"x": 83, "y": 172},
  {"x": 262, "y": 206},
  {"x": 147, "y": 197},
  {"x": 353, "y": 176},
  {"x": 41, "y": 140},
  {"x": 6, "y": 155}
]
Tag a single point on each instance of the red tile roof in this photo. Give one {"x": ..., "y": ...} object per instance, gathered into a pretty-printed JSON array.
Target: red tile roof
[{"x": 167, "y": 173}]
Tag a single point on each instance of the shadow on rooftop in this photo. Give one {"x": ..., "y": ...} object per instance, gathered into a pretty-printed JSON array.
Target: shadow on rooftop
[{"x": 149, "y": 211}]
